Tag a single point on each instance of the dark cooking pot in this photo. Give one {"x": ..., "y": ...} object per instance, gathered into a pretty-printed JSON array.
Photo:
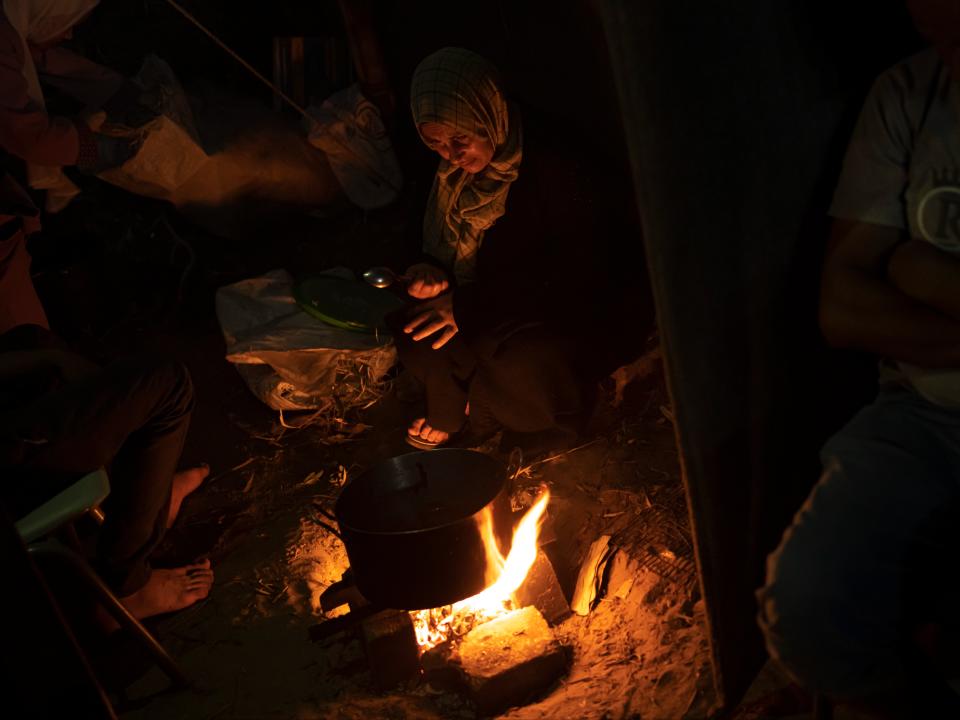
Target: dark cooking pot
[{"x": 412, "y": 526}]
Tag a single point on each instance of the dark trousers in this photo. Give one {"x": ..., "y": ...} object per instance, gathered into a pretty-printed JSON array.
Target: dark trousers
[
  {"x": 869, "y": 557},
  {"x": 519, "y": 374},
  {"x": 132, "y": 417}
]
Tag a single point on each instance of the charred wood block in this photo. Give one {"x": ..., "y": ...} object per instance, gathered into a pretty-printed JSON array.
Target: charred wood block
[
  {"x": 441, "y": 668},
  {"x": 321, "y": 632},
  {"x": 542, "y": 590},
  {"x": 342, "y": 592},
  {"x": 510, "y": 660},
  {"x": 391, "y": 645}
]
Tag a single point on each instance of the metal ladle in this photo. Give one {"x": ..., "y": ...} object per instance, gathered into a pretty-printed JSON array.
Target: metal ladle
[{"x": 382, "y": 277}]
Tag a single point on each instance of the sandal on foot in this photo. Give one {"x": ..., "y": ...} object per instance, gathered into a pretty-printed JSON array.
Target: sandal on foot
[{"x": 422, "y": 444}]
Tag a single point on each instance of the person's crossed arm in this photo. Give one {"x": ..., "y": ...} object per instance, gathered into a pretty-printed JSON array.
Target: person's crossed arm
[
  {"x": 890, "y": 296},
  {"x": 926, "y": 273}
]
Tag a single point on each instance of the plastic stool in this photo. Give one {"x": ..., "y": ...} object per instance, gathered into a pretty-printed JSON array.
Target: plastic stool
[{"x": 37, "y": 530}]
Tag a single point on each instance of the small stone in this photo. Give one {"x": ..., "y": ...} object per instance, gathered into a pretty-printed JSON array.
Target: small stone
[
  {"x": 623, "y": 592},
  {"x": 678, "y": 623},
  {"x": 391, "y": 646}
]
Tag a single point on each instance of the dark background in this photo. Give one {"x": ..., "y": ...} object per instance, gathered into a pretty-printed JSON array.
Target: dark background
[{"x": 555, "y": 57}]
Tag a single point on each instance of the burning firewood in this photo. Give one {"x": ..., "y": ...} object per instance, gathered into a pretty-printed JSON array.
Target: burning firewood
[
  {"x": 435, "y": 625},
  {"x": 542, "y": 590}
]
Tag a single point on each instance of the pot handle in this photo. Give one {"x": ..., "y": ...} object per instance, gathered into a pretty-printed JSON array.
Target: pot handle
[{"x": 330, "y": 516}]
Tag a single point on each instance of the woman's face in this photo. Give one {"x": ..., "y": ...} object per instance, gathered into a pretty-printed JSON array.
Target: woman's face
[{"x": 465, "y": 150}]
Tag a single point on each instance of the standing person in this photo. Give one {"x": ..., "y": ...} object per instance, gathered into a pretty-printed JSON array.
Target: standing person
[
  {"x": 505, "y": 329},
  {"x": 35, "y": 145},
  {"x": 861, "y": 594}
]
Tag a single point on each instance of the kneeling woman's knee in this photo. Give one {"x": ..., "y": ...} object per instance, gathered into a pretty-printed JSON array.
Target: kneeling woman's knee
[{"x": 534, "y": 356}]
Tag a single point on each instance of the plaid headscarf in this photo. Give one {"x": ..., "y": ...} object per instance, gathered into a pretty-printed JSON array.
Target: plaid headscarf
[{"x": 459, "y": 89}]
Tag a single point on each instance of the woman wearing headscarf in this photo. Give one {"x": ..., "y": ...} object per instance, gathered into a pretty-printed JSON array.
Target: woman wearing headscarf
[
  {"x": 37, "y": 144},
  {"x": 507, "y": 327}
]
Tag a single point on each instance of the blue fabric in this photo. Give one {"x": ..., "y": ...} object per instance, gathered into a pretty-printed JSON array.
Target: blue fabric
[{"x": 857, "y": 568}]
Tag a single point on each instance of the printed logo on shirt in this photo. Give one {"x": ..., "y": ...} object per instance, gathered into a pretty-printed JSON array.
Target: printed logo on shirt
[{"x": 938, "y": 213}]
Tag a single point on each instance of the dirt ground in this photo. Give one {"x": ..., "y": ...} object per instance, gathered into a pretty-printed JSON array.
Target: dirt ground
[
  {"x": 121, "y": 275},
  {"x": 640, "y": 653}
]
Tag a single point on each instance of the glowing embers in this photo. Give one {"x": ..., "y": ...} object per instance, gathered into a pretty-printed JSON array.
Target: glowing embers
[{"x": 505, "y": 576}]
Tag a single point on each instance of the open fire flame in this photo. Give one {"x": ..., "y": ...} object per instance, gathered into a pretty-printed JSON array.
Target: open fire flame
[{"x": 505, "y": 576}]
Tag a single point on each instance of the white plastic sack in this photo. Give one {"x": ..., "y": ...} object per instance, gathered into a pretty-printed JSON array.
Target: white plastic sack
[
  {"x": 60, "y": 189},
  {"x": 170, "y": 152},
  {"x": 289, "y": 359},
  {"x": 352, "y": 135}
]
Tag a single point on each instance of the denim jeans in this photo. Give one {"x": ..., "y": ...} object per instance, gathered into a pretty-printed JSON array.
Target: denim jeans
[{"x": 872, "y": 553}]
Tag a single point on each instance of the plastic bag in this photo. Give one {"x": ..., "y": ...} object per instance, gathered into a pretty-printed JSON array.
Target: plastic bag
[
  {"x": 292, "y": 361},
  {"x": 352, "y": 135},
  {"x": 170, "y": 151}
]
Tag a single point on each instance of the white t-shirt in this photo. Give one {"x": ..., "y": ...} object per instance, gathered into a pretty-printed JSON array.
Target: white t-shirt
[{"x": 902, "y": 170}]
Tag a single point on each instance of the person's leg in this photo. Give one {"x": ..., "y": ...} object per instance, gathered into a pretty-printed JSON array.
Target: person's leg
[
  {"x": 135, "y": 414},
  {"x": 834, "y": 608},
  {"x": 184, "y": 483},
  {"x": 445, "y": 374},
  {"x": 527, "y": 380}
]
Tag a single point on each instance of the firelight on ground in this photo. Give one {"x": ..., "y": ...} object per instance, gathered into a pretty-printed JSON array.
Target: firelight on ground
[{"x": 506, "y": 575}]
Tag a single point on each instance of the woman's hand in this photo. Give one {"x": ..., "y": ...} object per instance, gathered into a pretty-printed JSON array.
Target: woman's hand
[
  {"x": 434, "y": 316},
  {"x": 426, "y": 281}
]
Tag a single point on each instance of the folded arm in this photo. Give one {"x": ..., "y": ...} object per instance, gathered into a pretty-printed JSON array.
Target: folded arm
[
  {"x": 872, "y": 298},
  {"x": 926, "y": 273}
]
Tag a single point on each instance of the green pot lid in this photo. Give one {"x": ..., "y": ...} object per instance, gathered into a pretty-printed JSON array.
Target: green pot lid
[{"x": 348, "y": 304}]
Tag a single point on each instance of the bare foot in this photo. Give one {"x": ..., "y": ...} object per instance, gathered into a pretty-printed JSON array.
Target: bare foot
[
  {"x": 170, "y": 590},
  {"x": 419, "y": 429},
  {"x": 184, "y": 483}
]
